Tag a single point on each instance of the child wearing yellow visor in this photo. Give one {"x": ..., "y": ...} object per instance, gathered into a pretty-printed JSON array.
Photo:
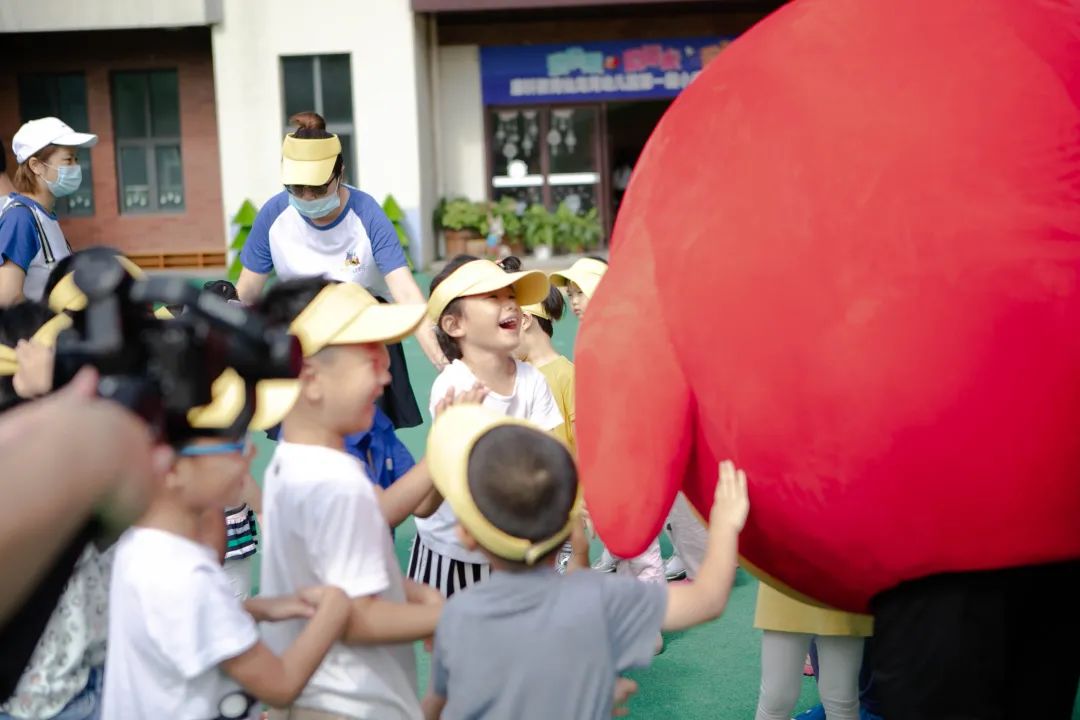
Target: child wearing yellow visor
[
  {"x": 581, "y": 281},
  {"x": 476, "y": 307},
  {"x": 181, "y": 644},
  {"x": 324, "y": 521},
  {"x": 528, "y": 642}
]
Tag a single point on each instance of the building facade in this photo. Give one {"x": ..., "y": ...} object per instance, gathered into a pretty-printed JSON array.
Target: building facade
[{"x": 547, "y": 101}]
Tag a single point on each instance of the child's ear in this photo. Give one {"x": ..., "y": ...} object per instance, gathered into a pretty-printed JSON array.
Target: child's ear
[
  {"x": 451, "y": 325},
  {"x": 526, "y": 321},
  {"x": 465, "y": 537},
  {"x": 310, "y": 387}
]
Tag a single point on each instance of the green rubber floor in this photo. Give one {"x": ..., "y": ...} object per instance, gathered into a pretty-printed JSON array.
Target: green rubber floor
[{"x": 708, "y": 673}]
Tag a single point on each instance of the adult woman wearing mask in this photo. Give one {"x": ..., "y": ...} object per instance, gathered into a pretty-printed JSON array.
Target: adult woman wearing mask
[
  {"x": 31, "y": 240},
  {"x": 319, "y": 226}
]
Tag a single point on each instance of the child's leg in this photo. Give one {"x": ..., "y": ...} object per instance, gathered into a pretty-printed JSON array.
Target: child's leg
[
  {"x": 782, "y": 656},
  {"x": 688, "y": 535},
  {"x": 839, "y": 660},
  {"x": 647, "y": 567}
]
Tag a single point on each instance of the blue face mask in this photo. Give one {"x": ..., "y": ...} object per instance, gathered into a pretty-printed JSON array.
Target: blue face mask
[
  {"x": 317, "y": 208},
  {"x": 68, "y": 179}
]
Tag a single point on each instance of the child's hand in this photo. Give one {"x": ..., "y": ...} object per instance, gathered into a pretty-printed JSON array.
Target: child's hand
[
  {"x": 473, "y": 396},
  {"x": 625, "y": 688},
  {"x": 35, "y": 374},
  {"x": 731, "y": 504},
  {"x": 316, "y": 597}
]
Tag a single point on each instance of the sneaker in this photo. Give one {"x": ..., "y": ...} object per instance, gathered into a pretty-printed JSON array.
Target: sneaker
[
  {"x": 815, "y": 713},
  {"x": 606, "y": 564},
  {"x": 674, "y": 569}
]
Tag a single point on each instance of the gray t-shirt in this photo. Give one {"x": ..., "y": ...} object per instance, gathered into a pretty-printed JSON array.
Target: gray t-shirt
[{"x": 540, "y": 645}]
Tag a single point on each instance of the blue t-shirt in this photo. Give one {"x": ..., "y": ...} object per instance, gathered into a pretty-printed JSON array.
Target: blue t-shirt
[
  {"x": 21, "y": 241},
  {"x": 360, "y": 246},
  {"x": 379, "y": 448}
]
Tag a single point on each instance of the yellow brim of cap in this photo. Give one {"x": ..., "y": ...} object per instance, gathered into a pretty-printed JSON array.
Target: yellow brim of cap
[
  {"x": 66, "y": 295},
  {"x": 585, "y": 273},
  {"x": 450, "y": 444},
  {"x": 162, "y": 313},
  {"x": 346, "y": 314},
  {"x": 536, "y": 310},
  {"x": 273, "y": 401},
  {"x": 484, "y": 276},
  {"x": 308, "y": 162},
  {"x": 46, "y": 335}
]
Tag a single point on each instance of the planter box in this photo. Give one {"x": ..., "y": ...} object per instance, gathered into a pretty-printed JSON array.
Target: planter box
[{"x": 457, "y": 241}]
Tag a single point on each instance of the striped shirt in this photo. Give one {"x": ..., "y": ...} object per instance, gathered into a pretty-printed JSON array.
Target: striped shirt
[{"x": 242, "y": 534}]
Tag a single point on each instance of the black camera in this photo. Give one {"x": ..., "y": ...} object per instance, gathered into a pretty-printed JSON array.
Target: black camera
[{"x": 161, "y": 369}]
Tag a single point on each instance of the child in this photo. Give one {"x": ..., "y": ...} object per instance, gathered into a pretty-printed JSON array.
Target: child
[
  {"x": 324, "y": 521},
  {"x": 475, "y": 306},
  {"x": 181, "y": 645},
  {"x": 581, "y": 281},
  {"x": 529, "y": 643},
  {"x": 536, "y": 349}
]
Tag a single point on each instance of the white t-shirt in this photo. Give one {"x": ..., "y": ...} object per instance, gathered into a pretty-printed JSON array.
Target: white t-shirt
[
  {"x": 531, "y": 400},
  {"x": 322, "y": 526},
  {"x": 173, "y": 619}
]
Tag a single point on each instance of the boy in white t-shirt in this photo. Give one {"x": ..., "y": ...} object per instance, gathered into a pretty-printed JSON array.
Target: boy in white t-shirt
[
  {"x": 476, "y": 306},
  {"x": 324, "y": 521},
  {"x": 181, "y": 645}
]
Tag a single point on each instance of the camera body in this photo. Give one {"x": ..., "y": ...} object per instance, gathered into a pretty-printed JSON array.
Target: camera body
[{"x": 161, "y": 369}]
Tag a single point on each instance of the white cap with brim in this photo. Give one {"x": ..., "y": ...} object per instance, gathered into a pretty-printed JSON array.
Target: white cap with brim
[
  {"x": 308, "y": 162},
  {"x": 483, "y": 276},
  {"x": 38, "y": 134}
]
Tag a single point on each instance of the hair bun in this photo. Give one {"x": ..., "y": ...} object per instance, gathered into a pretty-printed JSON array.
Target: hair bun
[{"x": 308, "y": 120}]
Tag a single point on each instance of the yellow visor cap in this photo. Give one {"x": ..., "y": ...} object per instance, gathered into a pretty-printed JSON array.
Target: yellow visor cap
[
  {"x": 308, "y": 162},
  {"x": 271, "y": 404},
  {"x": 585, "y": 273},
  {"x": 450, "y": 444},
  {"x": 66, "y": 295},
  {"x": 484, "y": 276}
]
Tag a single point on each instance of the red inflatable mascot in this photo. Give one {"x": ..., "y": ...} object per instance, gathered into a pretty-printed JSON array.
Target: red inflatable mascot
[{"x": 849, "y": 260}]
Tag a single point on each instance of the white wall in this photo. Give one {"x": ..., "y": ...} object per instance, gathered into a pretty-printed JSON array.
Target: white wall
[
  {"x": 462, "y": 165},
  {"x": 61, "y": 15},
  {"x": 388, "y": 54}
]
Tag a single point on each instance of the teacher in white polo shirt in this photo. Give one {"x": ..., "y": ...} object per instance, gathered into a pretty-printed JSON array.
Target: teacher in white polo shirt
[
  {"x": 319, "y": 226},
  {"x": 31, "y": 241}
]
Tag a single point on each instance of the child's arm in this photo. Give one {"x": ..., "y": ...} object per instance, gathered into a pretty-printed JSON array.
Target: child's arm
[
  {"x": 275, "y": 609},
  {"x": 413, "y": 493},
  {"x": 579, "y": 544},
  {"x": 432, "y": 706},
  {"x": 278, "y": 681},
  {"x": 374, "y": 621},
  {"x": 705, "y": 598}
]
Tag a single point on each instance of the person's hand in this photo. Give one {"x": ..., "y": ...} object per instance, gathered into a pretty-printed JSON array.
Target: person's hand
[
  {"x": 108, "y": 442},
  {"x": 731, "y": 504},
  {"x": 35, "y": 374},
  {"x": 422, "y": 594},
  {"x": 473, "y": 396},
  {"x": 625, "y": 688},
  {"x": 286, "y": 607},
  {"x": 319, "y": 595},
  {"x": 430, "y": 345}
]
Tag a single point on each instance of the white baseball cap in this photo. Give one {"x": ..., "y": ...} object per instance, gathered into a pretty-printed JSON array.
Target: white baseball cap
[{"x": 40, "y": 133}]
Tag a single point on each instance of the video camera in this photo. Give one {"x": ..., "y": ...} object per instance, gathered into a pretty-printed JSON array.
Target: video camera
[{"x": 161, "y": 369}]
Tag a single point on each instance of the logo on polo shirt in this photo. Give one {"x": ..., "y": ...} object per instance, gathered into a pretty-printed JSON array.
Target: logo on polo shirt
[{"x": 352, "y": 260}]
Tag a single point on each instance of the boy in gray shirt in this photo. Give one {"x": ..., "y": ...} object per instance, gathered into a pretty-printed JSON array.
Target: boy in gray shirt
[{"x": 528, "y": 642}]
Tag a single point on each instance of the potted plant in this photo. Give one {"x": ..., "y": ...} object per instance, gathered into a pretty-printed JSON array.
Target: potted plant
[
  {"x": 538, "y": 231},
  {"x": 507, "y": 210},
  {"x": 587, "y": 231},
  {"x": 462, "y": 222}
]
